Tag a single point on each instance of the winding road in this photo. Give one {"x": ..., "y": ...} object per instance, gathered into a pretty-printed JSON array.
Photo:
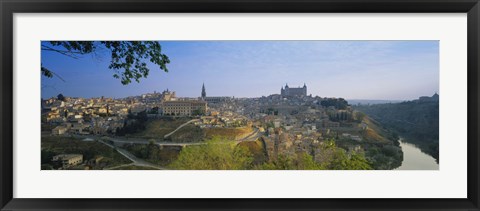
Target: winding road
[
  {"x": 136, "y": 161},
  {"x": 252, "y": 136},
  {"x": 145, "y": 141},
  {"x": 140, "y": 162},
  {"x": 180, "y": 127}
]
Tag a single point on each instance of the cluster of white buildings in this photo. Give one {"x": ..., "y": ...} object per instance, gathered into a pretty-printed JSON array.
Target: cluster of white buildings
[
  {"x": 104, "y": 115},
  {"x": 84, "y": 116}
]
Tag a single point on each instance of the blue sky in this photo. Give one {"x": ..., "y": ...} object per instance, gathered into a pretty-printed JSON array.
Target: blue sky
[{"x": 387, "y": 70}]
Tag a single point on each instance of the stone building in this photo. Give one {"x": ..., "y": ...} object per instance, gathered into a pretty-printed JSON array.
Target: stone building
[
  {"x": 184, "y": 108},
  {"x": 294, "y": 92},
  {"x": 168, "y": 95},
  {"x": 68, "y": 160},
  {"x": 214, "y": 99},
  {"x": 221, "y": 99}
]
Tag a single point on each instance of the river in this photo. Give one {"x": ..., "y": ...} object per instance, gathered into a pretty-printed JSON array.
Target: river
[{"x": 415, "y": 159}]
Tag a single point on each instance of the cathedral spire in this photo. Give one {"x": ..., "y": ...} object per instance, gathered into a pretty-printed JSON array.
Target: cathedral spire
[{"x": 204, "y": 93}]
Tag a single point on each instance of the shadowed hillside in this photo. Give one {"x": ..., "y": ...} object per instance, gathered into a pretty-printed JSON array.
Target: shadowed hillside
[{"x": 416, "y": 121}]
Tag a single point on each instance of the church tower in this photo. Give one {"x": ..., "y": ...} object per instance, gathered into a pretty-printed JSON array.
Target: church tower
[
  {"x": 304, "y": 89},
  {"x": 204, "y": 94}
]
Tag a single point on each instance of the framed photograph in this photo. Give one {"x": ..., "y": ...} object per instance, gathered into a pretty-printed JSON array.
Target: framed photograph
[{"x": 252, "y": 105}]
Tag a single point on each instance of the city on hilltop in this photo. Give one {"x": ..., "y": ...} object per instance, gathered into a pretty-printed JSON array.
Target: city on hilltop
[
  {"x": 289, "y": 129},
  {"x": 288, "y": 123}
]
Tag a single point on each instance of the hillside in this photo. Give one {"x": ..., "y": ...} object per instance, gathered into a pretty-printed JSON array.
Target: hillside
[
  {"x": 157, "y": 128},
  {"x": 228, "y": 133},
  {"x": 416, "y": 121},
  {"x": 380, "y": 145},
  {"x": 91, "y": 150}
]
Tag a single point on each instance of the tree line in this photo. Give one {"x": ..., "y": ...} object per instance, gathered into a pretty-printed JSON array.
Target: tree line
[{"x": 218, "y": 154}]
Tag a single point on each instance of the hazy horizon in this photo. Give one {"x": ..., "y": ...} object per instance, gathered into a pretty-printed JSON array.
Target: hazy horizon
[
  {"x": 355, "y": 70},
  {"x": 347, "y": 99}
]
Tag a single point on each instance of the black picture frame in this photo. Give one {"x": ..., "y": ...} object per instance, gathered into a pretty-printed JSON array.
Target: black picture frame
[{"x": 10, "y": 7}]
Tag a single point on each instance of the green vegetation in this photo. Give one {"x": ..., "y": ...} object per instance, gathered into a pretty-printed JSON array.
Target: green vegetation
[
  {"x": 270, "y": 111},
  {"x": 359, "y": 116},
  {"x": 141, "y": 127},
  {"x": 216, "y": 154},
  {"x": 127, "y": 57},
  {"x": 301, "y": 161},
  {"x": 152, "y": 153},
  {"x": 340, "y": 116},
  {"x": 60, "y": 97},
  {"x": 381, "y": 147},
  {"x": 132, "y": 167},
  {"x": 338, "y": 103},
  {"x": 219, "y": 154},
  {"x": 227, "y": 133},
  {"x": 256, "y": 149},
  {"x": 157, "y": 128},
  {"x": 133, "y": 124},
  {"x": 336, "y": 158},
  {"x": 47, "y": 127},
  {"x": 384, "y": 156},
  {"x": 188, "y": 134},
  {"x": 374, "y": 133},
  {"x": 198, "y": 112},
  {"x": 416, "y": 121},
  {"x": 55, "y": 145},
  {"x": 154, "y": 110}
]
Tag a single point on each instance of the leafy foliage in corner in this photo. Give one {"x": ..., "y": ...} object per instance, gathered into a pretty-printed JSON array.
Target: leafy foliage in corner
[{"x": 128, "y": 58}]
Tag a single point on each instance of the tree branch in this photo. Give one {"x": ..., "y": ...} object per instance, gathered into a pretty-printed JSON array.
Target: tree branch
[{"x": 66, "y": 53}]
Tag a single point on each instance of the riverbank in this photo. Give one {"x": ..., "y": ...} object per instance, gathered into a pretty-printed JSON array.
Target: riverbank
[{"x": 415, "y": 159}]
